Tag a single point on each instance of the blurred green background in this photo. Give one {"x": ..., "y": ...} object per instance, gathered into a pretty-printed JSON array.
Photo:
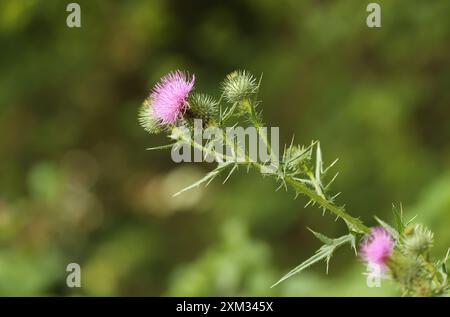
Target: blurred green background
[{"x": 76, "y": 184}]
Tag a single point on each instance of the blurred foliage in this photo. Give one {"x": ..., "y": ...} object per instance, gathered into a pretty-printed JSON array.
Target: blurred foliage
[{"x": 76, "y": 184}]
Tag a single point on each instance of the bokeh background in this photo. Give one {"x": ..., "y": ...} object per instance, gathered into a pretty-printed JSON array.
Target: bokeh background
[{"x": 77, "y": 185}]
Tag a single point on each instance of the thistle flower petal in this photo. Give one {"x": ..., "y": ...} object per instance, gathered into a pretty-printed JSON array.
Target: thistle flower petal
[
  {"x": 170, "y": 96},
  {"x": 377, "y": 247}
]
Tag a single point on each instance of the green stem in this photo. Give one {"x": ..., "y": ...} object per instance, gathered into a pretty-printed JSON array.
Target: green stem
[
  {"x": 354, "y": 223},
  {"x": 316, "y": 195},
  {"x": 253, "y": 117}
]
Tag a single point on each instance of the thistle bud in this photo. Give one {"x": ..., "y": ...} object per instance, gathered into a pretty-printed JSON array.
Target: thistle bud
[
  {"x": 147, "y": 118},
  {"x": 239, "y": 85},
  {"x": 296, "y": 157},
  {"x": 419, "y": 241},
  {"x": 202, "y": 106},
  {"x": 404, "y": 269}
]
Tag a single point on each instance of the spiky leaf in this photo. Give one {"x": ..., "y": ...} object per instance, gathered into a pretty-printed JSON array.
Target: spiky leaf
[{"x": 324, "y": 253}]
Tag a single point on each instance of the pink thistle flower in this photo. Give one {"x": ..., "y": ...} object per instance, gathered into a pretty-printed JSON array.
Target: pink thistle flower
[
  {"x": 377, "y": 247},
  {"x": 169, "y": 96}
]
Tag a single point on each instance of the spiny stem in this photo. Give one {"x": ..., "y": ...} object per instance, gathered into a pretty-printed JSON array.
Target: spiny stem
[
  {"x": 354, "y": 223},
  {"x": 257, "y": 124}
]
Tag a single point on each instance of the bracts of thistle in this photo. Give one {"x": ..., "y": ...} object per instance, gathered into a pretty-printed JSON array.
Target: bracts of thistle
[{"x": 400, "y": 253}]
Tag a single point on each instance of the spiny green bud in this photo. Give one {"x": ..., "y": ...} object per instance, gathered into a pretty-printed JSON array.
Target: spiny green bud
[
  {"x": 146, "y": 118},
  {"x": 239, "y": 85},
  {"x": 418, "y": 241},
  {"x": 404, "y": 269},
  {"x": 202, "y": 106},
  {"x": 296, "y": 156}
]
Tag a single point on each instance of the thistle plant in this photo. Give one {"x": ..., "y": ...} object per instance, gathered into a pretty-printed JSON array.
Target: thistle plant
[{"x": 400, "y": 252}]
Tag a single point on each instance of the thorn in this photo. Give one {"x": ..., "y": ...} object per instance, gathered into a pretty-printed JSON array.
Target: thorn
[
  {"x": 292, "y": 140},
  {"x": 330, "y": 166},
  {"x": 281, "y": 185},
  {"x": 334, "y": 197},
  {"x": 229, "y": 175},
  {"x": 332, "y": 180},
  {"x": 209, "y": 182}
]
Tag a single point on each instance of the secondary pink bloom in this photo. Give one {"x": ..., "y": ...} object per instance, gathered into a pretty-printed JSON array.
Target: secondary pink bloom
[
  {"x": 169, "y": 96},
  {"x": 377, "y": 247}
]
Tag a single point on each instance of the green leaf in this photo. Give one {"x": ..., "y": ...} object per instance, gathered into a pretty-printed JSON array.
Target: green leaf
[
  {"x": 208, "y": 178},
  {"x": 398, "y": 217},
  {"x": 319, "y": 165},
  {"x": 394, "y": 233},
  {"x": 324, "y": 253},
  {"x": 444, "y": 262},
  {"x": 321, "y": 237}
]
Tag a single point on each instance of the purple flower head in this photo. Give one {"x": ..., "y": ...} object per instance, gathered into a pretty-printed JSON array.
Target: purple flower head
[
  {"x": 169, "y": 96},
  {"x": 377, "y": 247}
]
